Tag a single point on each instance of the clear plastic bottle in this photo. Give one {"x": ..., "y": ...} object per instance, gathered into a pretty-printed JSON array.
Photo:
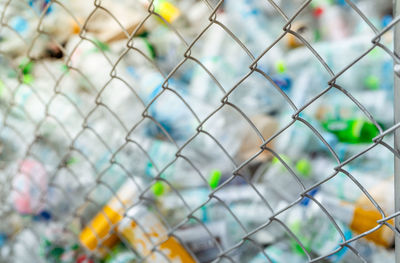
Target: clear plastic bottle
[
  {"x": 180, "y": 173},
  {"x": 315, "y": 231},
  {"x": 362, "y": 215},
  {"x": 353, "y": 79}
]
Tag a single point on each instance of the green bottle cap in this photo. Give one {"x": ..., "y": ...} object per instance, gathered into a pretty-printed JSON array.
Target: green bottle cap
[
  {"x": 215, "y": 178},
  {"x": 158, "y": 188},
  {"x": 372, "y": 82},
  {"x": 27, "y": 79},
  {"x": 26, "y": 66},
  {"x": 280, "y": 66},
  {"x": 303, "y": 166}
]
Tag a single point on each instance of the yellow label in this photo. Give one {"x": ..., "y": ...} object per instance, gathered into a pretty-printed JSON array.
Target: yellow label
[
  {"x": 176, "y": 250},
  {"x": 101, "y": 228},
  {"x": 142, "y": 241},
  {"x": 365, "y": 219}
]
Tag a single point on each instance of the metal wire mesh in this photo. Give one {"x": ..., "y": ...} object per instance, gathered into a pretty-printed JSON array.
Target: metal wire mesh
[{"x": 88, "y": 106}]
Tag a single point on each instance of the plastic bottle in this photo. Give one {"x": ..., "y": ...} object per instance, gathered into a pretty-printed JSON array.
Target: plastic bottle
[
  {"x": 228, "y": 62},
  {"x": 141, "y": 229},
  {"x": 340, "y": 108},
  {"x": 352, "y": 131},
  {"x": 241, "y": 199},
  {"x": 167, "y": 109},
  {"x": 368, "y": 172},
  {"x": 252, "y": 14},
  {"x": 362, "y": 215},
  {"x": 215, "y": 55},
  {"x": 29, "y": 186},
  {"x": 203, "y": 244},
  {"x": 180, "y": 173},
  {"x": 315, "y": 231},
  {"x": 335, "y": 22},
  {"x": 100, "y": 232},
  {"x": 277, "y": 177},
  {"x": 22, "y": 250},
  {"x": 267, "y": 126},
  {"x": 353, "y": 79}
]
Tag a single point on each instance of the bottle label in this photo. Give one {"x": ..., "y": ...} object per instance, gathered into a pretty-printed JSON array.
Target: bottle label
[
  {"x": 147, "y": 231},
  {"x": 101, "y": 231}
]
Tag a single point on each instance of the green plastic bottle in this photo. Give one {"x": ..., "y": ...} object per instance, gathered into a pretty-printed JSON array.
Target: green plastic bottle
[{"x": 352, "y": 131}]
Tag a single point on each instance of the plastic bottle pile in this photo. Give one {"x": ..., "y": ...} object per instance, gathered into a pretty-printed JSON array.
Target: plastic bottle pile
[{"x": 200, "y": 131}]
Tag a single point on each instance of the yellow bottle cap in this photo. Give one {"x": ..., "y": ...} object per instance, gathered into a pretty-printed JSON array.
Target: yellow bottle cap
[{"x": 167, "y": 10}]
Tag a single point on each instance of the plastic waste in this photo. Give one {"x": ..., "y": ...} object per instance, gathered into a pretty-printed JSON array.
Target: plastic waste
[
  {"x": 100, "y": 232},
  {"x": 142, "y": 230}
]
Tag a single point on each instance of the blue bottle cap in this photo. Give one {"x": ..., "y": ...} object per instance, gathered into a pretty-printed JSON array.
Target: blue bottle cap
[
  {"x": 19, "y": 24},
  {"x": 283, "y": 82},
  {"x": 386, "y": 20},
  {"x": 306, "y": 200}
]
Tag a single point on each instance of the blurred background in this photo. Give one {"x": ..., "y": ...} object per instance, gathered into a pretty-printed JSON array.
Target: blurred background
[{"x": 197, "y": 131}]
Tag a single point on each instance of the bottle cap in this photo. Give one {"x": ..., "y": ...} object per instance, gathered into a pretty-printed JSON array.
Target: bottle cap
[
  {"x": 19, "y": 24},
  {"x": 158, "y": 188},
  {"x": 301, "y": 28},
  {"x": 303, "y": 166},
  {"x": 283, "y": 82},
  {"x": 26, "y": 66},
  {"x": 280, "y": 66},
  {"x": 167, "y": 10},
  {"x": 27, "y": 79},
  {"x": 318, "y": 11},
  {"x": 386, "y": 20},
  {"x": 372, "y": 82},
  {"x": 215, "y": 178},
  {"x": 75, "y": 28}
]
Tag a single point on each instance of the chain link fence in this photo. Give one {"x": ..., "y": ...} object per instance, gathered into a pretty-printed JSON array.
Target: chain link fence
[{"x": 197, "y": 131}]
